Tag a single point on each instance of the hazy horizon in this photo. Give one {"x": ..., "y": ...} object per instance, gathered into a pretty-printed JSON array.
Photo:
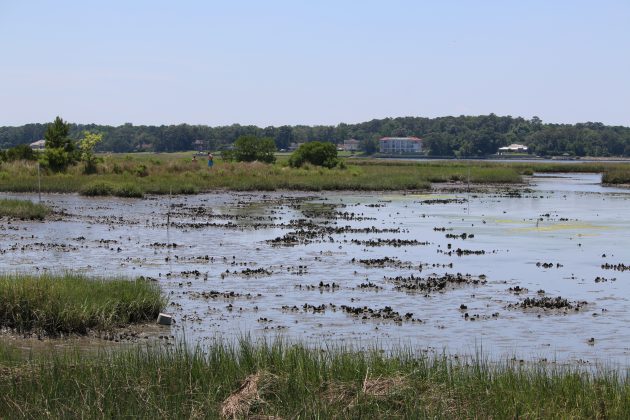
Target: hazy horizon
[{"x": 299, "y": 63}]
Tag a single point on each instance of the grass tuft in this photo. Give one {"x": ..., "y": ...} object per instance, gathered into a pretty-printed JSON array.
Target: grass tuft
[
  {"x": 128, "y": 190},
  {"x": 97, "y": 188},
  {"x": 23, "y": 209},
  {"x": 103, "y": 188},
  {"x": 70, "y": 303}
]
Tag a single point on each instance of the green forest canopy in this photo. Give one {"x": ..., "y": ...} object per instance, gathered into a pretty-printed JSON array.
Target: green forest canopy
[{"x": 443, "y": 136}]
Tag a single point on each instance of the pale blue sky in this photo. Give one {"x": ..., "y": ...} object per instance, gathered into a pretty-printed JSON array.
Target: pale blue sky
[{"x": 272, "y": 62}]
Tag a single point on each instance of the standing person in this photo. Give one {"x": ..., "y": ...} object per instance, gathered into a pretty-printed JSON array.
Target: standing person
[{"x": 210, "y": 160}]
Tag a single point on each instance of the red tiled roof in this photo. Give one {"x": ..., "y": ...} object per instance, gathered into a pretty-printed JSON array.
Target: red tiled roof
[{"x": 415, "y": 139}]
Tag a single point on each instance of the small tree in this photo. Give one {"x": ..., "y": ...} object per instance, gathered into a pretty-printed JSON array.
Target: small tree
[
  {"x": 315, "y": 153},
  {"x": 60, "y": 149},
  {"x": 57, "y": 135},
  {"x": 87, "y": 145},
  {"x": 251, "y": 148}
]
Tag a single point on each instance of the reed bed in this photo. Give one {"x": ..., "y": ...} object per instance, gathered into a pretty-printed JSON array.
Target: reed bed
[
  {"x": 281, "y": 380},
  {"x": 23, "y": 209},
  {"x": 75, "y": 304}
]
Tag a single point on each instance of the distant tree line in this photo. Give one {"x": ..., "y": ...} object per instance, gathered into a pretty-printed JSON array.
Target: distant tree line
[{"x": 445, "y": 136}]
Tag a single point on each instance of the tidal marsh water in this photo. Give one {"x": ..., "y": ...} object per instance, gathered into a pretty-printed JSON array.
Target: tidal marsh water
[{"x": 365, "y": 269}]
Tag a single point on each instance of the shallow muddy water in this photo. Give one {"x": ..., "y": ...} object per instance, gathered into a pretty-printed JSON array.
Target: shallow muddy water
[{"x": 290, "y": 264}]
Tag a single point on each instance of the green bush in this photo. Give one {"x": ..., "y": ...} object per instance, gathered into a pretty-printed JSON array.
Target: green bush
[
  {"x": 141, "y": 170},
  {"x": 316, "y": 153},
  {"x": 20, "y": 152},
  {"x": 56, "y": 159},
  {"x": 86, "y": 146},
  {"x": 252, "y": 148}
]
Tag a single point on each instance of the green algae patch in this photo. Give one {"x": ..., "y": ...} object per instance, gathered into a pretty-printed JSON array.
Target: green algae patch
[{"x": 558, "y": 227}]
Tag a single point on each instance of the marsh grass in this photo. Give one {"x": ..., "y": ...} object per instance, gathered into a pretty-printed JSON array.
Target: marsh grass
[
  {"x": 249, "y": 379},
  {"x": 619, "y": 175},
  {"x": 139, "y": 174},
  {"x": 23, "y": 209},
  {"x": 75, "y": 304}
]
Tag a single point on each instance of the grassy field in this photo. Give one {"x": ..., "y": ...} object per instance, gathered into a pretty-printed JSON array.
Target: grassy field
[
  {"x": 23, "y": 209},
  {"x": 68, "y": 303},
  {"x": 133, "y": 175},
  {"x": 290, "y": 381}
]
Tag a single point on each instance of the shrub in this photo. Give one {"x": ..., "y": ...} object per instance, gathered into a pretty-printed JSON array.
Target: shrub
[
  {"x": 252, "y": 148},
  {"x": 56, "y": 159},
  {"x": 316, "y": 153},
  {"x": 228, "y": 155},
  {"x": 87, "y": 145},
  {"x": 141, "y": 170},
  {"x": 20, "y": 152}
]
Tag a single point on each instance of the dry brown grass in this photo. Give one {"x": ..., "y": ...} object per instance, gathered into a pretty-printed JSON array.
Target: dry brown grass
[
  {"x": 340, "y": 393},
  {"x": 16, "y": 373},
  {"x": 21, "y": 167},
  {"x": 433, "y": 396},
  {"x": 238, "y": 403},
  {"x": 384, "y": 387},
  {"x": 348, "y": 394},
  {"x": 439, "y": 398}
]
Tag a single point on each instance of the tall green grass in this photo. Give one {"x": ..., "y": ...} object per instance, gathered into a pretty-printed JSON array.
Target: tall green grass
[
  {"x": 72, "y": 303},
  {"x": 293, "y": 381},
  {"x": 23, "y": 209}
]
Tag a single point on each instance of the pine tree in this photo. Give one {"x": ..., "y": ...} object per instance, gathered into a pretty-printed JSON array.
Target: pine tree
[
  {"x": 57, "y": 135},
  {"x": 60, "y": 149}
]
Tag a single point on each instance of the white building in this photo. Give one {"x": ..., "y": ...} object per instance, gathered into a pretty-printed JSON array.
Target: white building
[
  {"x": 513, "y": 148},
  {"x": 38, "y": 145},
  {"x": 400, "y": 145}
]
